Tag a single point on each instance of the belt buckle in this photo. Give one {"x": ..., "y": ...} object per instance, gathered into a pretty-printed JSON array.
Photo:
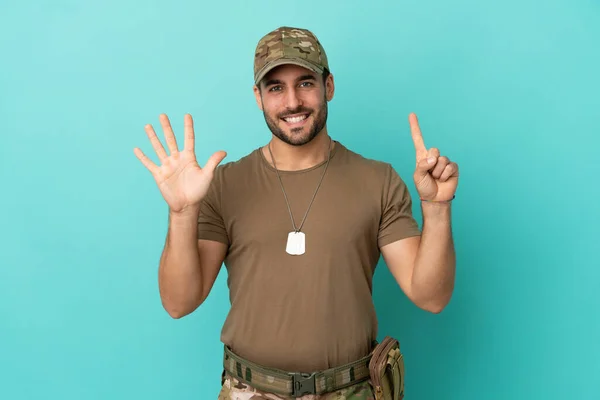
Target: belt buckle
[{"x": 303, "y": 383}]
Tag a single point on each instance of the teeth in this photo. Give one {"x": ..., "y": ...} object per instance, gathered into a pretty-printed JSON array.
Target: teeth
[{"x": 294, "y": 120}]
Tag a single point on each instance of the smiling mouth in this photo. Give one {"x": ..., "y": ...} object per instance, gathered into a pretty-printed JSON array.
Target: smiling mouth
[{"x": 295, "y": 119}]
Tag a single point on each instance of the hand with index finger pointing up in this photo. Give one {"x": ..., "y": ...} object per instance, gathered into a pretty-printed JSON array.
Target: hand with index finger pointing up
[{"x": 436, "y": 177}]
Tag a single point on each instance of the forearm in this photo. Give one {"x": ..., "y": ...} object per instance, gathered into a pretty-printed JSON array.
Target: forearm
[
  {"x": 180, "y": 277},
  {"x": 434, "y": 271}
]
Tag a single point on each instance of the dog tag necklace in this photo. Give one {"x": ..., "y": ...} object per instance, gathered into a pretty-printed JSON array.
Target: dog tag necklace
[{"x": 296, "y": 241}]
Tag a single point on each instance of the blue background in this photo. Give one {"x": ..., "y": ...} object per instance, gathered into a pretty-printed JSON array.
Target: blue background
[{"x": 508, "y": 89}]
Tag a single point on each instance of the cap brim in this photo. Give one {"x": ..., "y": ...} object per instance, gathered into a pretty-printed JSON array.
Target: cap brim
[{"x": 283, "y": 61}]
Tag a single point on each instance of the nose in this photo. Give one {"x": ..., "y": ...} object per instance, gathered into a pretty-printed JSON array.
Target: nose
[{"x": 292, "y": 100}]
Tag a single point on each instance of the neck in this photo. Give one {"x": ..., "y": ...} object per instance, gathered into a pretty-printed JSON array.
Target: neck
[{"x": 294, "y": 158}]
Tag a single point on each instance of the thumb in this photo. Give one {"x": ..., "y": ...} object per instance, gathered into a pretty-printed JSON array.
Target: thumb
[
  {"x": 214, "y": 161},
  {"x": 423, "y": 167}
]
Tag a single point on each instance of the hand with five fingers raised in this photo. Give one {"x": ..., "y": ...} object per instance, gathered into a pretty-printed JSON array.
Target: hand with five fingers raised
[{"x": 181, "y": 181}]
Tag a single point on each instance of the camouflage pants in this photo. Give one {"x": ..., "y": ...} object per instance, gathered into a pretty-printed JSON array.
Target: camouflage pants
[{"x": 233, "y": 389}]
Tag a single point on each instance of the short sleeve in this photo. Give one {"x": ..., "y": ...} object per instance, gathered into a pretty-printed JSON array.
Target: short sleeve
[
  {"x": 397, "y": 221},
  {"x": 211, "y": 225}
]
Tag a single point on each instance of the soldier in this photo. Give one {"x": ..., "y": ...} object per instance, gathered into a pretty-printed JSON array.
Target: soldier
[{"x": 300, "y": 224}]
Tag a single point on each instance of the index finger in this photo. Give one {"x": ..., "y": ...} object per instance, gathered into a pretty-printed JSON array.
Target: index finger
[{"x": 417, "y": 137}]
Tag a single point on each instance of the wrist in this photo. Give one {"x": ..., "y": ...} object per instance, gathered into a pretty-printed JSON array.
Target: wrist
[
  {"x": 436, "y": 210},
  {"x": 186, "y": 213},
  {"x": 438, "y": 201}
]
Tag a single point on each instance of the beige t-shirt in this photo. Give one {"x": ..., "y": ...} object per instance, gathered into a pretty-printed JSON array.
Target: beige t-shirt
[{"x": 313, "y": 311}]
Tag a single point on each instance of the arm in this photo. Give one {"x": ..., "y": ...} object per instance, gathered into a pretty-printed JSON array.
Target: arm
[
  {"x": 424, "y": 266},
  {"x": 188, "y": 266}
]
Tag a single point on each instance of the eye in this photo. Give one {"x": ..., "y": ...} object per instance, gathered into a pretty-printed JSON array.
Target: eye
[
  {"x": 306, "y": 84},
  {"x": 274, "y": 88}
]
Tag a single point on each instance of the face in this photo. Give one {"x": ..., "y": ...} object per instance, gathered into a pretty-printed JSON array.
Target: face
[{"x": 294, "y": 103}]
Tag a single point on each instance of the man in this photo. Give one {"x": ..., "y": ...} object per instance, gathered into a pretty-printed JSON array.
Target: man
[{"x": 300, "y": 224}]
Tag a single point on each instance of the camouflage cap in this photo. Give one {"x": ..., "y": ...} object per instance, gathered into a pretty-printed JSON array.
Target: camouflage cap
[{"x": 287, "y": 45}]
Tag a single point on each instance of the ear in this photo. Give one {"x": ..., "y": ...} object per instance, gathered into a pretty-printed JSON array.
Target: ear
[
  {"x": 329, "y": 87},
  {"x": 258, "y": 97}
]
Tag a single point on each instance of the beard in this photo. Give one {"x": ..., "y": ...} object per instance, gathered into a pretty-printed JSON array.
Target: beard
[{"x": 295, "y": 137}]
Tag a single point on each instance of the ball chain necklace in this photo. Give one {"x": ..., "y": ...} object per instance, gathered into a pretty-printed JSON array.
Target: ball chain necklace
[{"x": 296, "y": 242}]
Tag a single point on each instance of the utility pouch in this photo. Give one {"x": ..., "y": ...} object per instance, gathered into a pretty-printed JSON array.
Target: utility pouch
[{"x": 387, "y": 370}]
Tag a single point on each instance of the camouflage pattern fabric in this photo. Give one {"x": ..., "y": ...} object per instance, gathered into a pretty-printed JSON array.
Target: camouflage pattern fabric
[
  {"x": 233, "y": 389},
  {"x": 280, "y": 382},
  {"x": 287, "y": 45}
]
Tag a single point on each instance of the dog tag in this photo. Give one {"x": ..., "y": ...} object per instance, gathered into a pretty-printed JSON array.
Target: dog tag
[{"x": 295, "y": 243}]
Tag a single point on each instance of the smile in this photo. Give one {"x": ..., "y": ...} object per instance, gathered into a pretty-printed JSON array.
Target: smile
[{"x": 296, "y": 119}]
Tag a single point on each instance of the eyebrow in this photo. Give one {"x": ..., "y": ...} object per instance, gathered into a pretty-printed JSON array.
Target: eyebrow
[
  {"x": 301, "y": 78},
  {"x": 273, "y": 82},
  {"x": 306, "y": 78}
]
